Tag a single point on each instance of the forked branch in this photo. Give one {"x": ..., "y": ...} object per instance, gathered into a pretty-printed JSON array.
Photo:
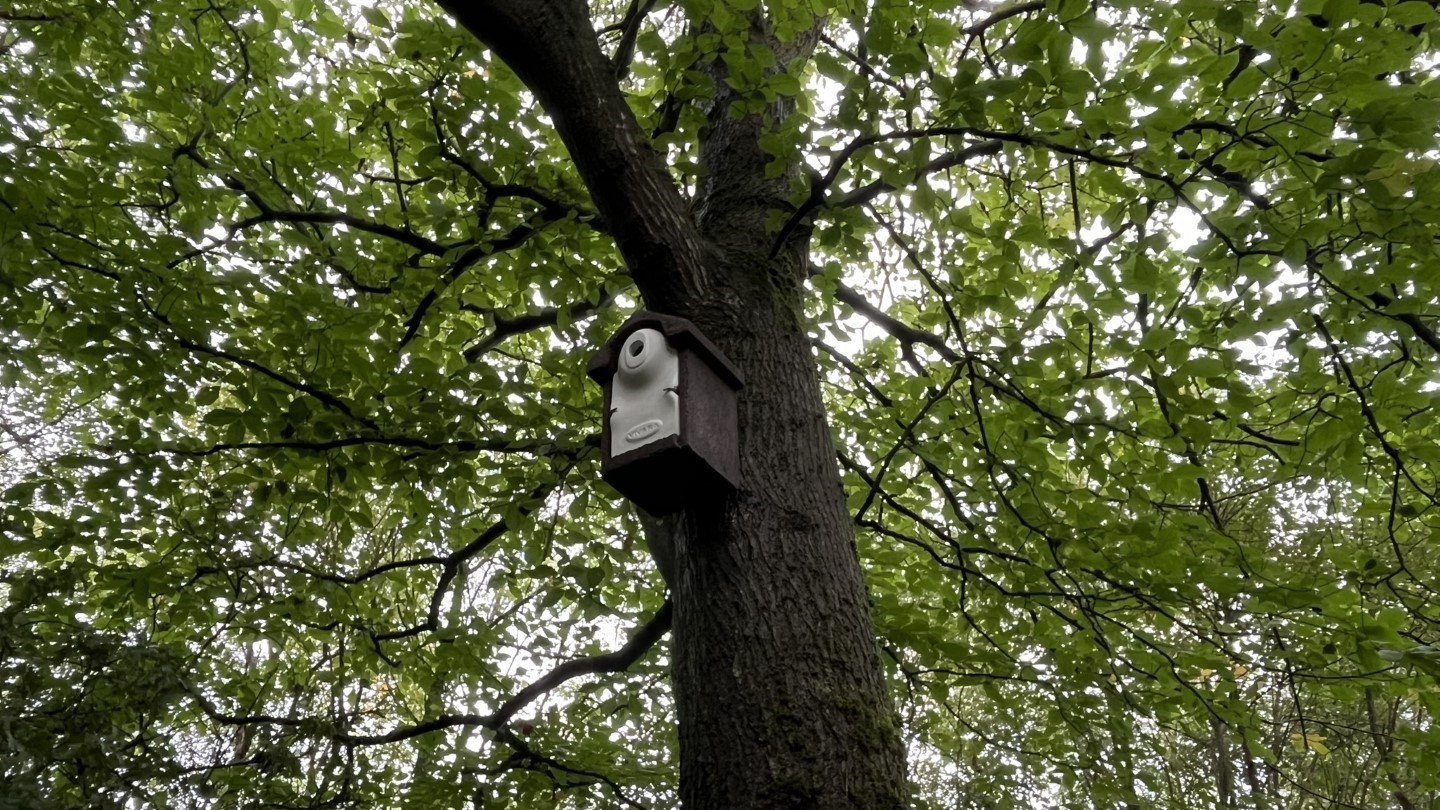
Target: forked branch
[{"x": 551, "y": 46}]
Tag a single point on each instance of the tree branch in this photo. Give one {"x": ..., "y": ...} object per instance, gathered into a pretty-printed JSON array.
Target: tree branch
[
  {"x": 507, "y": 327},
  {"x": 402, "y": 235},
  {"x": 902, "y": 332},
  {"x": 324, "y": 397},
  {"x": 820, "y": 185},
  {"x": 512, "y": 239},
  {"x": 458, "y": 445},
  {"x": 855, "y": 371},
  {"x": 949, "y": 160},
  {"x": 1004, "y": 14},
  {"x": 641, "y": 641},
  {"x": 551, "y": 46},
  {"x": 454, "y": 560},
  {"x": 865, "y": 66},
  {"x": 269, "y": 213},
  {"x": 15, "y": 16},
  {"x": 644, "y": 638},
  {"x": 629, "y": 30}
]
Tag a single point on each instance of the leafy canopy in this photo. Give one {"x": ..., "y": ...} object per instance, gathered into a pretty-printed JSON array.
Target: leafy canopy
[{"x": 1126, "y": 313}]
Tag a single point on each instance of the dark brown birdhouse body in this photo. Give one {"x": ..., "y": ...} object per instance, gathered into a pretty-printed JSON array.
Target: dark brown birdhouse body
[{"x": 671, "y": 433}]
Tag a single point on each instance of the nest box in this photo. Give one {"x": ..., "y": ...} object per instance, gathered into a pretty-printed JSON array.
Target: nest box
[{"x": 671, "y": 432}]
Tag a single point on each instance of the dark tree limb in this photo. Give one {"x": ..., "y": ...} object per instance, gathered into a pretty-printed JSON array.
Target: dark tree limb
[
  {"x": 855, "y": 371},
  {"x": 515, "y": 237},
  {"x": 642, "y": 640},
  {"x": 324, "y": 397},
  {"x": 903, "y": 332},
  {"x": 820, "y": 186},
  {"x": 528, "y": 758},
  {"x": 16, "y": 16},
  {"x": 645, "y": 637},
  {"x": 552, "y": 47},
  {"x": 454, "y": 561},
  {"x": 507, "y": 327},
  {"x": 629, "y": 30},
  {"x": 870, "y": 191},
  {"x": 863, "y": 64},
  {"x": 321, "y": 446},
  {"x": 1004, "y": 14},
  {"x": 269, "y": 213},
  {"x": 403, "y": 235}
]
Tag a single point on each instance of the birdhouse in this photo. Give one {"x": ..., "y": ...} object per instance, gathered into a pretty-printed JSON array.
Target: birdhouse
[{"x": 671, "y": 432}]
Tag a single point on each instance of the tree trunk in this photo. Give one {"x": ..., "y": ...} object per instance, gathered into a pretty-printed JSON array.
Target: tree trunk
[{"x": 780, "y": 694}]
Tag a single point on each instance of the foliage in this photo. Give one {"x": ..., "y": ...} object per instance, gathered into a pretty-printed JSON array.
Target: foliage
[{"x": 1125, "y": 312}]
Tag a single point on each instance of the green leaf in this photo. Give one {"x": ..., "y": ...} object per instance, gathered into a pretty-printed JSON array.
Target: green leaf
[{"x": 1230, "y": 18}]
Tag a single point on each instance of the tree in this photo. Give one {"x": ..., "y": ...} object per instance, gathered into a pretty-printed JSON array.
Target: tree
[{"x": 1119, "y": 318}]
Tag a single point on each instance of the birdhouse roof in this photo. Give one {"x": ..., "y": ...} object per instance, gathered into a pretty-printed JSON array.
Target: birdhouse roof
[{"x": 679, "y": 332}]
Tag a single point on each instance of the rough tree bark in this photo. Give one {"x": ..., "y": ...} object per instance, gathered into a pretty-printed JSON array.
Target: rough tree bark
[{"x": 779, "y": 690}]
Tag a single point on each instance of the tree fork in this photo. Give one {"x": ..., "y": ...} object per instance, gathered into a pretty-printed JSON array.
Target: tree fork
[{"x": 781, "y": 699}]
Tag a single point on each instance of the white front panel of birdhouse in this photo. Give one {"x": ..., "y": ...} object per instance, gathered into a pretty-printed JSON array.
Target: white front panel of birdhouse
[{"x": 644, "y": 400}]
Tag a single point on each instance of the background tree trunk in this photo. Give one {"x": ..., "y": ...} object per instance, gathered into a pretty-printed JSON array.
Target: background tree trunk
[{"x": 781, "y": 699}]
